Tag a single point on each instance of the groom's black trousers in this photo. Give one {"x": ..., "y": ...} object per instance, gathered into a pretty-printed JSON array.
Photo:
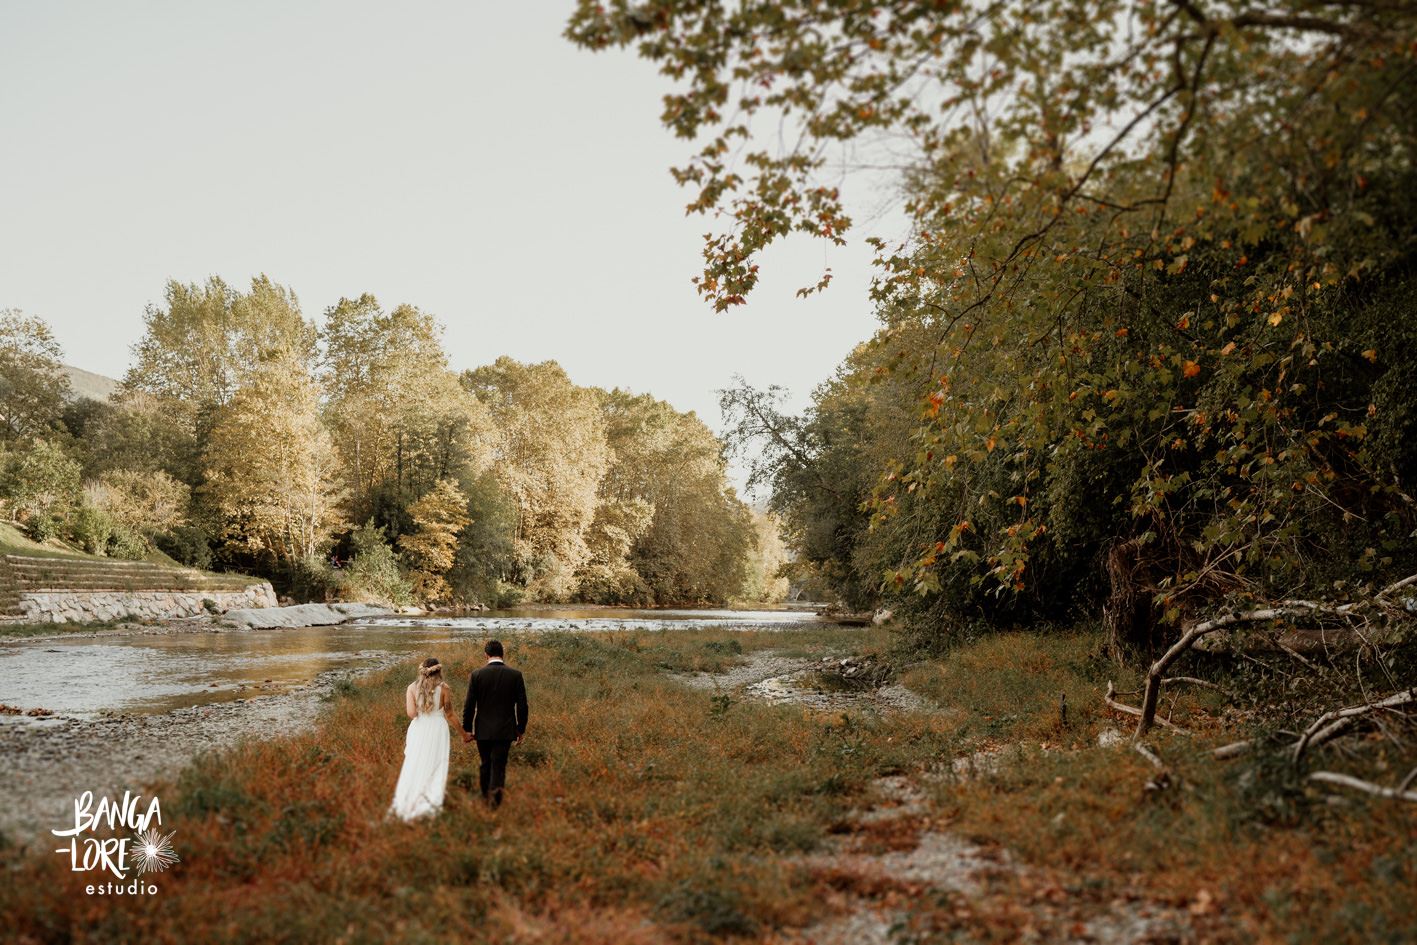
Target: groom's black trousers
[{"x": 493, "y": 773}]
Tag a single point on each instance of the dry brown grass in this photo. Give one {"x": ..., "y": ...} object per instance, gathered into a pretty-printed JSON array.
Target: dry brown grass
[{"x": 643, "y": 811}]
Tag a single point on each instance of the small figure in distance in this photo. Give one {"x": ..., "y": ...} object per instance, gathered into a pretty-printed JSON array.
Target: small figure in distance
[{"x": 495, "y": 715}]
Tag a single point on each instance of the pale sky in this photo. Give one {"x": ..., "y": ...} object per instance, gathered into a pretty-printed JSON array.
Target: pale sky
[{"x": 458, "y": 156}]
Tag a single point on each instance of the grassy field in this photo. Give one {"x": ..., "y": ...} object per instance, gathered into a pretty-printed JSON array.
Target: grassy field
[{"x": 640, "y": 810}]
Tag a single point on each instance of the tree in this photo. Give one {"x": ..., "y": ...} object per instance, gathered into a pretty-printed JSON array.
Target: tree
[
  {"x": 549, "y": 456},
  {"x": 1039, "y": 104},
  {"x": 41, "y": 485},
  {"x": 486, "y": 555},
  {"x": 209, "y": 340},
  {"x": 695, "y": 544},
  {"x": 138, "y": 432},
  {"x": 272, "y": 466},
  {"x": 33, "y": 384},
  {"x": 431, "y": 548},
  {"x": 766, "y": 562},
  {"x": 1145, "y": 317},
  {"x": 401, "y": 421}
]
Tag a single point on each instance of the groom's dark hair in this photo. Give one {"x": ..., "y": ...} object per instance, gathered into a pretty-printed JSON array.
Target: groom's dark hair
[{"x": 493, "y": 648}]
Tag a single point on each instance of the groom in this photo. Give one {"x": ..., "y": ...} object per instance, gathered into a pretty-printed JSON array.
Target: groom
[{"x": 495, "y": 715}]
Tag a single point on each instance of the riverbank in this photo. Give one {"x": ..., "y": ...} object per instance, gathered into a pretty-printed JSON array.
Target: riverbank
[
  {"x": 642, "y": 809},
  {"x": 266, "y": 618},
  {"x": 51, "y": 761}
]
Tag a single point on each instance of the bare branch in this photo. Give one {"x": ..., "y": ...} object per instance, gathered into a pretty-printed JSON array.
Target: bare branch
[
  {"x": 1200, "y": 682},
  {"x": 1367, "y": 787},
  {"x": 1162, "y": 781},
  {"x": 1405, "y": 582},
  {"x": 1151, "y": 756},
  {"x": 1233, "y": 750},
  {"x": 1286, "y": 608},
  {"x": 1131, "y": 710},
  {"x": 1328, "y": 724}
]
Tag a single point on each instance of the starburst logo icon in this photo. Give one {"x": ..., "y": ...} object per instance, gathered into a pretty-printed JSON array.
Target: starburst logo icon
[{"x": 152, "y": 852}]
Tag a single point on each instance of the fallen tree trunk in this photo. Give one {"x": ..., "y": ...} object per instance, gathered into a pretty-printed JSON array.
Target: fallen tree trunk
[{"x": 1289, "y": 608}]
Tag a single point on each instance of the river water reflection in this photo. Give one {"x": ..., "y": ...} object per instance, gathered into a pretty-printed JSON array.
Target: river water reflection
[{"x": 148, "y": 673}]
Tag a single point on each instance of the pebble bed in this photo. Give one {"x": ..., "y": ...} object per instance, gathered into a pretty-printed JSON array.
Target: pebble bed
[{"x": 51, "y": 761}]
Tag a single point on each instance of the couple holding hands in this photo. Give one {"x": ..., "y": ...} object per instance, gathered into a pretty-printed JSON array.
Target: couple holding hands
[{"x": 494, "y": 715}]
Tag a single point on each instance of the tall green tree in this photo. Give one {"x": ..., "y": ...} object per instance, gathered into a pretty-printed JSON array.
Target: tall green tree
[
  {"x": 487, "y": 564},
  {"x": 1144, "y": 318},
  {"x": 401, "y": 420},
  {"x": 138, "y": 432},
  {"x": 33, "y": 385},
  {"x": 208, "y": 340},
  {"x": 550, "y": 455},
  {"x": 272, "y": 467}
]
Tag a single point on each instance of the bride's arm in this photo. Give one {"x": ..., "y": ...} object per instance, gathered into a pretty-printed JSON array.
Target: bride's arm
[
  {"x": 448, "y": 712},
  {"x": 410, "y": 705}
]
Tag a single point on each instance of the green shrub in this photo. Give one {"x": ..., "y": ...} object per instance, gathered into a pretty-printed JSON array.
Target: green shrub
[
  {"x": 41, "y": 480},
  {"x": 41, "y": 527},
  {"x": 507, "y": 596},
  {"x": 374, "y": 570},
  {"x": 91, "y": 528},
  {"x": 187, "y": 545},
  {"x": 127, "y": 545},
  {"x": 602, "y": 585}
]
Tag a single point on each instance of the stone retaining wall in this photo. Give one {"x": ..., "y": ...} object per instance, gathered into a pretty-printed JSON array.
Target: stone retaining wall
[
  {"x": 64, "y": 590},
  {"x": 85, "y": 606}
]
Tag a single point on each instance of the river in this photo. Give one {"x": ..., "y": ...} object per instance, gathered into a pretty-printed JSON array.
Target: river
[{"x": 156, "y": 672}]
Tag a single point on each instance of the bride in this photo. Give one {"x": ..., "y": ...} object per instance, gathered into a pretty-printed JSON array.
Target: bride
[{"x": 424, "y": 777}]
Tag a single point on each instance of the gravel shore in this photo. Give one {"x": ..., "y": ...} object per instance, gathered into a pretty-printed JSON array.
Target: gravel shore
[
  {"x": 49, "y": 762},
  {"x": 767, "y": 677}
]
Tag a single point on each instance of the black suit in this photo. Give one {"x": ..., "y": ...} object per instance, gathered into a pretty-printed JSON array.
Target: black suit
[{"x": 495, "y": 713}]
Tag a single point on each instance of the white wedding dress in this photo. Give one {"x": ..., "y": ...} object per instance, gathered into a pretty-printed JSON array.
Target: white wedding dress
[{"x": 424, "y": 778}]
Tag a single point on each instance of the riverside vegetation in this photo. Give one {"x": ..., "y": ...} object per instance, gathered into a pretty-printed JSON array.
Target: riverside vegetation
[
  {"x": 349, "y": 461},
  {"x": 1143, "y": 357},
  {"x": 644, "y": 810}
]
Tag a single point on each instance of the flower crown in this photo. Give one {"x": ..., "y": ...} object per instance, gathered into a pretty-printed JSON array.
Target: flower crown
[{"x": 430, "y": 670}]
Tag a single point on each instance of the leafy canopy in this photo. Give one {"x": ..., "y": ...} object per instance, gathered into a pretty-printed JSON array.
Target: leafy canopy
[{"x": 1140, "y": 309}]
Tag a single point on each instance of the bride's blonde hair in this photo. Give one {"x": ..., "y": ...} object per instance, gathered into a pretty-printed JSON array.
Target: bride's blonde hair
[{"x": 430, "y": 677}]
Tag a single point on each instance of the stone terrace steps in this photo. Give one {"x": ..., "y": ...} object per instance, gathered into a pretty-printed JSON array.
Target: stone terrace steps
[{"x": 21, "y": 575}]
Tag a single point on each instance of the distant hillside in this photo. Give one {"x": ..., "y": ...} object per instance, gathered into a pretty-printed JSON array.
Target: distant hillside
[{"x": 88, "y": 384}]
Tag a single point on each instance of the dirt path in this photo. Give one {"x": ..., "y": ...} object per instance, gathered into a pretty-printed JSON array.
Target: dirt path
[{"x": 895, "y": 868}]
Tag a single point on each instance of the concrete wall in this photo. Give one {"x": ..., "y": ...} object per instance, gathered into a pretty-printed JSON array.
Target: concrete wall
[
  {"x": 62, "y": 590},
  {"x": 84, "y": 606}
]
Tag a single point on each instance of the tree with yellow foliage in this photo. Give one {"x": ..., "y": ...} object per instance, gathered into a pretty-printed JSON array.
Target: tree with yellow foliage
[
  {"x": 272, "y": 467},
  {"x": 432, "y": 547}
]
